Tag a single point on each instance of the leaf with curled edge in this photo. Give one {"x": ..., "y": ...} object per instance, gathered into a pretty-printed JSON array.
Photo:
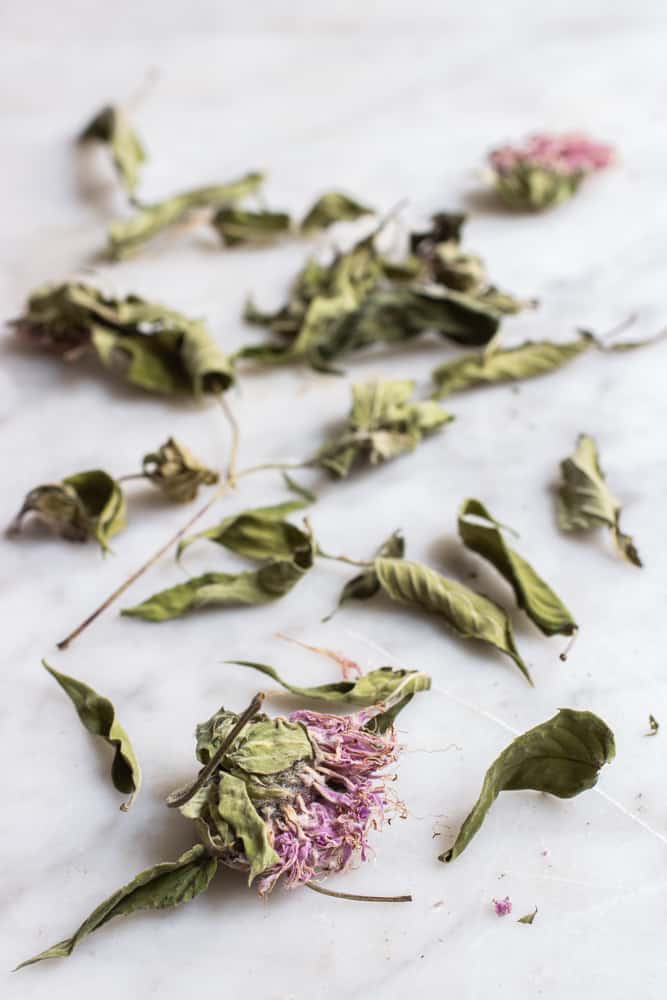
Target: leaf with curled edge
[
  {"x": 236, "y": 226},
  {"x": 470, "y": 615},
  {"x": 98, "y": 715},
  {"x": 158, "y": 888},
  {"x": 127, "y": 236},
  {"x": 383, "y": 423},
  {"x": 562, "y": 756},
  {"x": 234, "y": 808},
  {"x": 585, "y": 501},
  {"x": 261, "y": 586},
  {"x": 103, "y": 501},
  {"x": 480, "y": 532},
  {"x": 334, "y": 206},
  {"x": 366, "y": 584},
  {"x": 495, "y": 364},
  {"x": 111, "y": 127}
]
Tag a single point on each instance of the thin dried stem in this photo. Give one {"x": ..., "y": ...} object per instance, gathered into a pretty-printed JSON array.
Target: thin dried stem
[
  {"x": 366, "y": 564},
  {"x": 355, "y": 898}
]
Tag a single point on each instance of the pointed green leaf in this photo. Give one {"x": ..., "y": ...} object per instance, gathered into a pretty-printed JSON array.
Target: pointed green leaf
[
  {"x": 98, "y": 716},
  {"x": 111, "y": 127},
  {"x": 126, "y": 236},
  {"x": 334, "y": 206},
  {"x": 585, "y": 501},
  {"x": 470, "y": 615},
  {"x": 237, "y": 226},
  {"x": 528, "y": 918},
  {"x": 561, "y": 756},
  {"x": 480, "y": 532},
  {"x": 235, "y": 808},
  {"x": 507, "y": 365},
  {"x": 157, "y": 888}
]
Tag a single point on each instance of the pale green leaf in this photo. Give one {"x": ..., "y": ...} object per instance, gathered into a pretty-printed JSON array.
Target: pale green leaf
[
  {"x": 110, "y": 126},
  {"x": 561, "y": 756},
  {"x": 235, "y": 808},
  {"x": 334, "y": 206},
  {"x": 176, "y": 472},
  {"x": 237, "y": 226},
  {"x": 270, "y": 746}
]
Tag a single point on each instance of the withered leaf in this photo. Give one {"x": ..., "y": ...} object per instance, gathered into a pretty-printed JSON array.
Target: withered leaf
[
  {"x": 468, "y": 614},
  {"x": 176, "y": 472},
  {"x": 334, "y": 206},
  {"x": 237, "y": 226},
  {"x": 234, "y": 807},
  {"x": 366, "y": 584},
  {"x": 585, "y": 501},
  {"x": 111, "y": 127},
  {"x": 98, "y": 716},
  {"x": 126, "y": 236},
  {"x": 528, "y": 187},
  {"x": 157, "y": 888},
  {"x": 383, "y": 423},
  {"x": 562, "y": 756},
  {"x": 480, "y": 532},
  {"x": 86, "y": 505},
  {"x": 528, "y": 918}
]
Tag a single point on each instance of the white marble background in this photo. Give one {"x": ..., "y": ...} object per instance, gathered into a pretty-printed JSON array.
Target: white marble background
[{"x": 389, "y": 101}]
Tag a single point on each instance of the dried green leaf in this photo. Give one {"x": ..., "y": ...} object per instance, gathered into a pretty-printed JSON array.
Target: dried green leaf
[
  {"x": 507, "y": 364},
  {"x": 270, "y": 746},
  {"x": 157, "y": 888},
  {"x": 366, "y": 584},
  {"x": 528, "y": 917},
  {"x": 585, "y": 501},
  {"x": 561, "y": 756},
  {"x": 530, "y": 188},
  {"x": 151, "y": 346},
  {"x": 654, "y": 725},
  {"x": 480, "y": 532},
  {"x": 384, "y": 422},
  {"x": 237, "y": 226},
  {"x": 176, "y": 472},
  {"x": 111, "y": 127},
  {"x": 98, "y": 716},
  {"x": 86, "y": 505},
  {"x": 470, "y": 615},
  {"x": 235, "y": 808},
  {"x": 126, "y": 236},
  {"x": 261, "y": 586},
  {"x": 334, "y": 206}
]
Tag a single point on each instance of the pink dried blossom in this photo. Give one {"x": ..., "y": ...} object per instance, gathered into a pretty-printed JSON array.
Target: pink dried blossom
[
  {"x": 502, "y": 906},
  {"x": 570, "y": 153}
]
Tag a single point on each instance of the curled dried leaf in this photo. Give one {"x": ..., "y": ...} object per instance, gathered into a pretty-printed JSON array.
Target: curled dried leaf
[
  {"x": 176, "y": 472},
  {"x": 111, "y": 127}
]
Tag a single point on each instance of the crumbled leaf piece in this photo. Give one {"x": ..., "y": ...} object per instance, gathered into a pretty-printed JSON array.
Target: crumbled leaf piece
[
  {"x": 585, "y": 501},
  {"x": 653, "y": 725},
  {"x": 157, "y": 888},
  {"x": 497, "y": 364},
  {"x": 111, "y": 127},
  {"x": 480, "y": 532},
  {"x": 98, "y": 715},
  {"x": 175, "y": 470},
  {"x": 366, "y": 584},
  {"x": 527, "y": 918},
  {"x": 258, "y": 533},
  {"x": 502, "y": 906},
  {"x": 151, "y": 346},
  {"x": 237, "y": 226},
  {"x": 126, "y": 236},
  {"x": 375, "y": 687},
  {"x": 383, "y": 423},
  {"x": 546, "y": 170},
  {"x": 269, "y": 583},
  {"x": 334, "y": 206},
  {"x": 445, "y": 227},
  {"x": 561, "y": 756},
  {"x": 468, "y": 614},
  {"x": 86, "y": 505}
]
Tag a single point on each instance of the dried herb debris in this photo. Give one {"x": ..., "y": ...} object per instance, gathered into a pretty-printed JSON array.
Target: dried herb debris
[{"x": 111, "y": 127}]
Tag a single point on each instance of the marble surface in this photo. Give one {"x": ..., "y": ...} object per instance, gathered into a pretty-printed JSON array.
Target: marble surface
[{"x": 398, "y": 101}]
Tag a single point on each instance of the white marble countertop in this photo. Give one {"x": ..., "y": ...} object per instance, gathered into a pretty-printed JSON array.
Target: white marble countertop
[{"x": 400, "y": 102}]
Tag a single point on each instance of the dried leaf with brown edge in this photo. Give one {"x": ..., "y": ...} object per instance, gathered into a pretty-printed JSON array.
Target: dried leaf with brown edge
[
  {"x": 110, "y": 126},
  {"x": 383, "y": 423},
  {"x": 85, "y": 505},
  {"x": 585, "y": 501},
  {"x": 334, "y": 206},
  {"x": 480, "y": 532},
  {"x": 237, "y": 226},
  {"x": 562, "y": 756},
  {"x": 497, "y": 364},
  {"x": 157, "y": 888},
  {"x": 126, "y": 236},
  {"x": 98, "y": 716},
  {"x": 366, "y": 584},
  {"x": 468, "y": 614},
  {"x": 176, "y": 472}
]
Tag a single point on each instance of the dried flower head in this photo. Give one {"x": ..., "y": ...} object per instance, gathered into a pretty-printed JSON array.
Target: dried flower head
[
  {"x": 175, "y": 470},
  {"x": 502, "y": 906},
  {"x": 547, "y": 169}
]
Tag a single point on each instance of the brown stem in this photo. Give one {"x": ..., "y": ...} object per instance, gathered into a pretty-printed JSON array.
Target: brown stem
[
  {"x": 183, "y": 795},
  {"x": 358, "y": 899}
]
